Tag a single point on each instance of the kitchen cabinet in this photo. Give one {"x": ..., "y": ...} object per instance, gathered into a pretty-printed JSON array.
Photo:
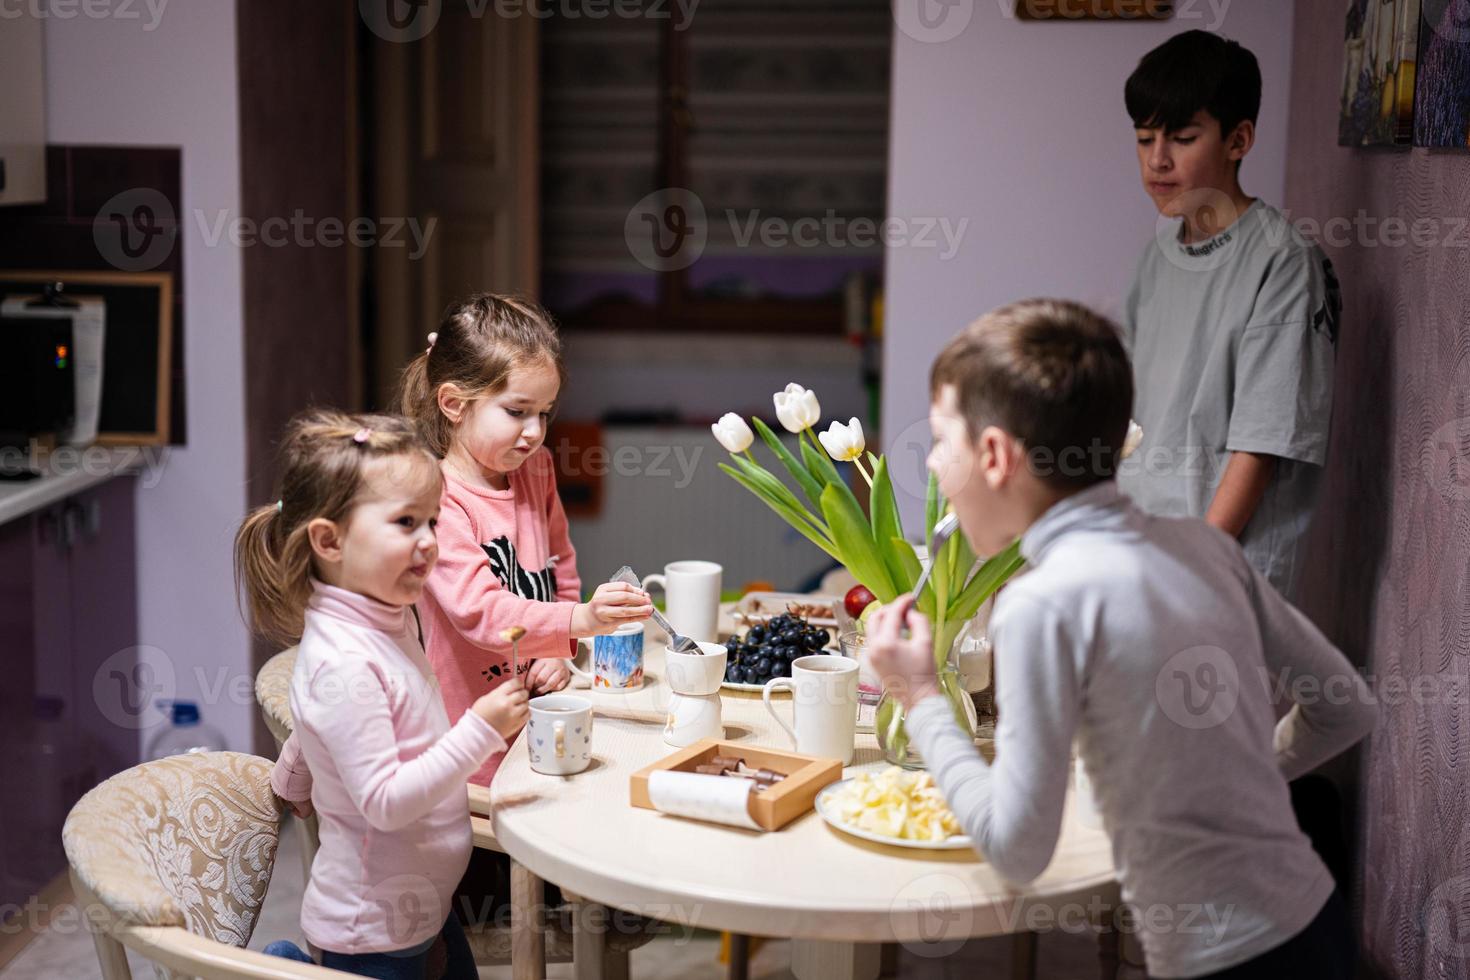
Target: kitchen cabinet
[{"x": 69, "y": 635}]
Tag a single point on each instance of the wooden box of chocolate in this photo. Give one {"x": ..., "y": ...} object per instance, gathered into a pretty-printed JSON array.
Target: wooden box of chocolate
[{"x": 786, "y": 783}]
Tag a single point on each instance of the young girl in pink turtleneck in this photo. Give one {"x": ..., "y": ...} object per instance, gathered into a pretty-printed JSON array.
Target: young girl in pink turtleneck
[{"x": 338, "y": 563}]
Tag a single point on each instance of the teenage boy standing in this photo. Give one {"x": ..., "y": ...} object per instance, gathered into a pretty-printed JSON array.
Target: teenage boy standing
[{"x": 1232, "y": 318}]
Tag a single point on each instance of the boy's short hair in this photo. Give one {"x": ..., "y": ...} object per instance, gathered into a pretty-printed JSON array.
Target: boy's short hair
[
  {"x": 1193, "y": 71},
  {"x": 1051, "y": 373}
]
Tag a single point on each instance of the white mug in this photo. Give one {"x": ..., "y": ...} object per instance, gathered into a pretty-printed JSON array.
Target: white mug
[
  {"x": 824, "y": 692},
  {"x": 692, "y": 591},
  {"x": 696, "y": 674},
  {"x": 559, "y": 734}
]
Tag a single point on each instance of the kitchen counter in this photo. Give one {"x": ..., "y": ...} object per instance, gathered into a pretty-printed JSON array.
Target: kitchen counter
[{"x": 69, "y": 471}]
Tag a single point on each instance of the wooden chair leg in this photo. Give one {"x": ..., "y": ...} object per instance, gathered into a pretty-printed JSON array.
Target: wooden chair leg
[
  {"x": 112, "y": 956},
  {"x": 888, "y": 963},
  {"x": 616, "y": 966},
  {"x": 589, "y": 941},
  {"x": 527, "y": 940},
  {"x": 1023, "y": 956},
  {"x": 1107, "y": 953},
  {"x": 739, "y": 968}
]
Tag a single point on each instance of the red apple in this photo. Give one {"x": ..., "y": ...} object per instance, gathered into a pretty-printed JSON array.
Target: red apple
[{"x": 857, "y": 599}]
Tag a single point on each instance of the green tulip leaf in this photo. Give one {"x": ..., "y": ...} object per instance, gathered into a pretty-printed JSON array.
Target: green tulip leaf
[
  {"x": 809, "y": 486},
  {"x": 887, "y": 526},
  {"x": 854, "y": 539}
]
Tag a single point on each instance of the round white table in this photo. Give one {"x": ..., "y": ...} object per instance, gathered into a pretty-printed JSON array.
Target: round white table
[{"x": 837, "y": 897}]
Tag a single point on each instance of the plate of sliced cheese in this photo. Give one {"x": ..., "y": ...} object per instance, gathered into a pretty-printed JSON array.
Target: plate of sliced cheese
[{"x": 893, "y": 806}]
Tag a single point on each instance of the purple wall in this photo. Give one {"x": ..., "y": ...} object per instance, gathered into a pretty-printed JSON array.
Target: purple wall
[
  {"x": 1392, "y": 540},
  {"x": 171, "y": 80}
]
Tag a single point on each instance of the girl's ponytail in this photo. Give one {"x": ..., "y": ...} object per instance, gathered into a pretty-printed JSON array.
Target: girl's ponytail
[
  {"x": 272, "y": 574},
  {"x": 418, "y": 400},
  {"x": 323, "y": 457}
]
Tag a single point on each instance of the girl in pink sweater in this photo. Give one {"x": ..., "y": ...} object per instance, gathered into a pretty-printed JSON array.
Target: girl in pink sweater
[
  {"x": 482, "y": 395},
  {"x": 337, "y": 563}
]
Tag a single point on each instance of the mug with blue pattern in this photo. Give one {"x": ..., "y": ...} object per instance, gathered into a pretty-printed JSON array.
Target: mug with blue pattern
[{"x": 617, "y": 660}]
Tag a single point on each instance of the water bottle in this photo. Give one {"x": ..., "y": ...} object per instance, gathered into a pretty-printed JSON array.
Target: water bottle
[{"x": 186, "y": 733}]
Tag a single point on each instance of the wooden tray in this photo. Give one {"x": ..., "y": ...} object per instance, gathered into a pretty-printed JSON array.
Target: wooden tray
[{"x": 772, "y": 808}]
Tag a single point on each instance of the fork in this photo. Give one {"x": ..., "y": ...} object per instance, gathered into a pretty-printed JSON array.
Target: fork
[
  {"x": 677, "y": 642},
  {"x": 943, "y": 531}
]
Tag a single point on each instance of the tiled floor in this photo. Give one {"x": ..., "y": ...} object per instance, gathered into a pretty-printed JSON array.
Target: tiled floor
[{"x": 65, "y": 951}]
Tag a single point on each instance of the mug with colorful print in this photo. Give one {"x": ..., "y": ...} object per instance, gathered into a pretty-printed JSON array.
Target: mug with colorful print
[{"x": 617, "y": 660}]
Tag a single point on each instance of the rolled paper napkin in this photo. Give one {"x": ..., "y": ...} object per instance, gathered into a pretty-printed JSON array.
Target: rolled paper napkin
[{"x": 699, "y": 796}]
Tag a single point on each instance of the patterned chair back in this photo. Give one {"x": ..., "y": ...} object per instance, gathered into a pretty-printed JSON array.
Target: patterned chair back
[
  {"x": 186, "y": 841},
  {"x": 273, "y": 693}
]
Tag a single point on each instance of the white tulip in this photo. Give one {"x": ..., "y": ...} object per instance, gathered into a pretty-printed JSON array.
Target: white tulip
[
  {"x": 1132, "y": 440},
  {"x": 844, "y": 442},
  {"x": 797, "y": 408},
  {"x": 733, "y": 433}
]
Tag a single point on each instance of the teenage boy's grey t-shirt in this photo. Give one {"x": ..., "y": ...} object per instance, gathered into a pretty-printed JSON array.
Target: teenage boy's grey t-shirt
[{"x": 1233, "y": 341}]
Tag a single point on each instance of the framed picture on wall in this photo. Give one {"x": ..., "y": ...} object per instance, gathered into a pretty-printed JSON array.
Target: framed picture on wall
[
  {"x": 1442, "y": 113},
  {"x": 1380, "y": 53}
]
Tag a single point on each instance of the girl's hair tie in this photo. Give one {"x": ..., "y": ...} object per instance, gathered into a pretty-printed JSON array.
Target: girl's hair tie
[
  {"x": 278, "y": 506},
  {"x": 362, "y": 436},
  {"x": 432, "y": 337}
]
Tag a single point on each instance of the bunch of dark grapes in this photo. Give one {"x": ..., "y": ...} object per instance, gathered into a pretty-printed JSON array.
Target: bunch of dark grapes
[{"x": 767, "y": 651}]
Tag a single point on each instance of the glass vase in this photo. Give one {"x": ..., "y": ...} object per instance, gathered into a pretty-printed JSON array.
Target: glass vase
[{"x": 893, "y": 737}]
